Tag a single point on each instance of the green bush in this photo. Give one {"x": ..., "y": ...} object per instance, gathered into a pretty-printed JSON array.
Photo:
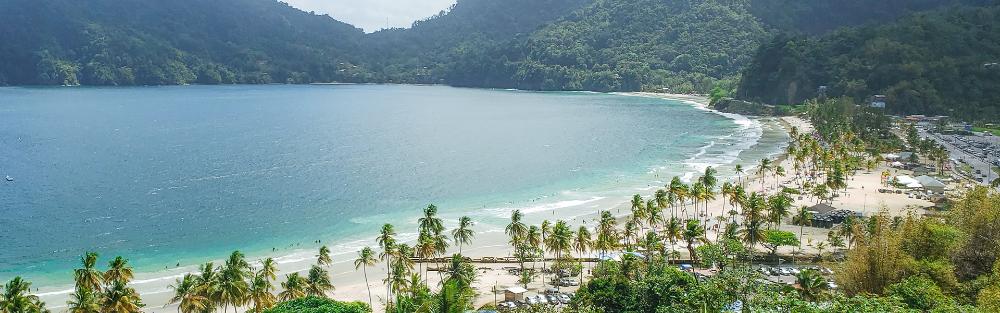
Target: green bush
[{"x": 319, "y": 305}]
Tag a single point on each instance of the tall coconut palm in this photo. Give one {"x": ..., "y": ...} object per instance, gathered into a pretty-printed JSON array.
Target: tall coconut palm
[
  {"x": 463, "y": 235},
  {"x": 268, "y": 269},
  {"x": 366, "y": 258},
  {"x": 739, "y": 174},
  {"x": 429, "y": 222},
  {"x": 607, "y": 233},
  {"x": 440, "y": 248},
  {"x": 630, "y": 232},
  {"x": 118, "y": 271},
  {"x": 638, "y": 209},
  {"x": 88, "y": 277},
  {"x": 662, "y": 198},
  {"x": 208, "y": 285},
  {"x": 654, "y": 214},
  {"x": 753, "y": 226},
  {"x": 318, "y": 282},
  {"x": 387, "y": 241},
  {"x": 710, "y": 178},
  {"x": 802, "y": 218},
  {"x": 17, "y": 298},
  {"x": 763, "y": 168},
  {"x": 295, "y": 287},
  {"x": 516, "y": 230},
  {"x": 323, "y": 258},
  {"x": 424, "y": 249},
  {"x": 233, "y": 278},
  {"x": 187, "y": 295},
  {"x": 560, "y": 241},
  {"x": 84, "y": 300},
  {"x": 119, "y": 298},
  {"x": 780, "y": 207},
  {"x": 672, "y": 232},
  {"x": 582, "y": 243},
  {"x": 693, "y": 233},
  {"x": 260, "y": 293},
  {"x": 533, "y": 238}
]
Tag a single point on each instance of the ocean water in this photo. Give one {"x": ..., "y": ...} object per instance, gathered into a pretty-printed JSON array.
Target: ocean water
[{"x": 186, "y": 174}]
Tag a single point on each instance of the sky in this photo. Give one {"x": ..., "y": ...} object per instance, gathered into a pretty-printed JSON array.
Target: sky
[{"x": 371, "y": 15}]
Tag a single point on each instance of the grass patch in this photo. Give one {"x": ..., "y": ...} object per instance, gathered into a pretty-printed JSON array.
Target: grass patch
[{"x": 994, "y": 131}]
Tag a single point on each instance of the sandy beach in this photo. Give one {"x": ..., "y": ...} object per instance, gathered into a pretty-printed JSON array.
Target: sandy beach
[{"x": 861, "y": 195}]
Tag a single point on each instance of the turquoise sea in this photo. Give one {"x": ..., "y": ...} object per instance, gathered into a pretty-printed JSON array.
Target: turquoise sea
[{"x": 185, "y": 174}]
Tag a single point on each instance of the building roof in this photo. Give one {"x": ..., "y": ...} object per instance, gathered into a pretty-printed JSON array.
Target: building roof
[
  {"x": 516, "y": 289},
  {"x": 822, "y": 208},
  {"x": 928, "y": 181}
]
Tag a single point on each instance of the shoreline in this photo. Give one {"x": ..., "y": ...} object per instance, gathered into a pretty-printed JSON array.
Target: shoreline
[{"x": 350, "y": 286}]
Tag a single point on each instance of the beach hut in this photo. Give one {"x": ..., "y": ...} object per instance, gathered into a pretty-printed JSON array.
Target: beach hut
[
  {"x": 514, "y": 294},
  {"x": 931, "y": 183}
]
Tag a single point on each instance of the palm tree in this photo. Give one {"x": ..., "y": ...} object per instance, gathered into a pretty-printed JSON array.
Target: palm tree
[
  {"x": 207, "y": 282},
  {"x": 118, "y": 271},
  {"x": 463, "y": 235},
  {"x": 366, "y": 258},
  {"x": 260, "y": 294},
  {"x": 546, "y": 230},
  {"x": 430, "y": 222},
  {"x": 534, "y": 241},
  {"x": 268, "y": 269},
  {"x": 693, "y": 232},
  {"x": 654, "y": 213},
  {"x": 672, "y": 232},
  {"x": 233, "y": 281},
  {"x": 208, "y": 286},
  {"x": 88, "y": 277},
  {"x": 763, "y": 168},
  {"x": 119, "y": 298},
  {"x": 630, "y": 232},
  {"x": 318, "y": 282},
  {"x": 16, "y": 298},
  {"x": 560, "y": 241},
  {"x": 387, "y": 241},
  {"x": 802, "y": 218},
  {"x": 516, "y": 229},
  {"x": 424, "y": 249},
  {"x": 739, "y": 174},
  {"x": 323, "y": 259},
  {"x": 638, "y": 209},
  {"x": 811, "y": 283},
  {"x": 186, "y": 293},
  {"x": 84, "y": 300},
  {"x": 753, "y": 230},
  {"x": 295, "y": 287},
  {"x": 607, "y": 234},
  {"x": 780, "y": 206},
  {"x": 582, "y": 243}
]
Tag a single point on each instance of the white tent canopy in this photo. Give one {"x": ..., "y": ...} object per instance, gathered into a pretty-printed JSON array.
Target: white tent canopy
[{"x": 906, "y": 180}]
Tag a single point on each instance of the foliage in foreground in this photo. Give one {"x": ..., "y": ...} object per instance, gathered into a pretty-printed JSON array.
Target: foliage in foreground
[{"x": 314, "y": 304}]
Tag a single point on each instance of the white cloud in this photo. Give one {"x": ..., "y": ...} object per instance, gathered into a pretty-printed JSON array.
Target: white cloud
[{"x": 371, "y": 15}]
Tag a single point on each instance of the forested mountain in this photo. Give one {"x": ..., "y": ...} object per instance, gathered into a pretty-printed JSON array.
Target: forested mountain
[
  {"x": 931, "y": 63},
  {"x": 602, "y": 45},
  {"x": 820, "y": 16},
  {"x": 421, "y": 53},
  {"x": 142, "y": 42}
]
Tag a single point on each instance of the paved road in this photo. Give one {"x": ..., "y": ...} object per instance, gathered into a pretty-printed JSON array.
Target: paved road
[{"x": 959, "y": 154}]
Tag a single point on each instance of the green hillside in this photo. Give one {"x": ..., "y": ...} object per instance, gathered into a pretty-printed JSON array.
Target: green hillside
[{"x": 935, "y": 63}]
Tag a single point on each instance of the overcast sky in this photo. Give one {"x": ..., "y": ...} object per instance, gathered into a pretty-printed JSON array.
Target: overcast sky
[{"x": 371, "y": 15}]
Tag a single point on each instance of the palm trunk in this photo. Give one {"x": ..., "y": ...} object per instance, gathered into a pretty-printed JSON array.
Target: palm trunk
[{"x": 365, "y": 271}]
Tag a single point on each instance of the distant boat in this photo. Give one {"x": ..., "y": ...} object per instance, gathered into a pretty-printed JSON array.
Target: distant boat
[{"x": 9, "y": 178}]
